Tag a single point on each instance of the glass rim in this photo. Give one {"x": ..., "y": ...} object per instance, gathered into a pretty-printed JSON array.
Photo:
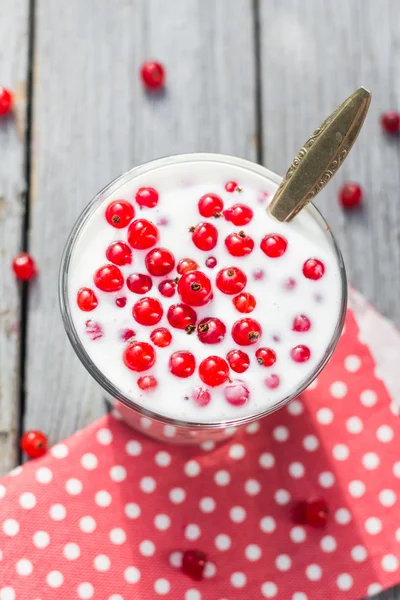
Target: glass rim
[{"x": 84, "y": 357}]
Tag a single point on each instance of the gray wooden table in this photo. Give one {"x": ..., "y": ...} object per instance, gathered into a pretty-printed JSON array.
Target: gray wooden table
[{"x": 245, "y": 78}]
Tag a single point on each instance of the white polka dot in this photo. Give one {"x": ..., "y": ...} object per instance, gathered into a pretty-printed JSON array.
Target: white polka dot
[
  {"x": 169, "y": 431},
  {"x": 71, "y": 551},
  {"x": 145, "y": 423},
  {"x": 27, "y": 500},
  {"x": 192, "y": 468},
  {"x": 192, "y": 531},
  {"x": 222, "y": 542},
  {"x": 368, "y": 398},
  {"x": 282, "y": 497},
  {"x": 266, "y": 460},
  {"x": 370, "y": 460},
  {"x": 89, "y": 461},
  {"x": 387, "y": 497},
  {"x": 10, "y": 527},
  {"x": 238, "y": 579},
  {"x": 104, "y": 437},
  {"x": 237, "y": 451},
  {"x": 163, "y": 458},
  {"x": 373, "y": 525},
  {"x": 15, "y": 472},
  {"x": 177, "y": 495},
  {"x": 295, "y": 408},
  {"x": 313, "y": 572},
  {"x": 296, "y": 470},
  {"x": 237, "y": 514},
  {"x": 85, "y": 591},
  {"x": 267, "y": 524},
  {"x": 338, "y": 389},
  {"x": 162, "y": 586},
  {"x": 102, "y": 563},
  {"x": 103, "y": 498},
  {"x": 283, "y": 562},
  {"x": 342, "y": 516},
  {"x": 117, "y": 473},
  {"x": 269, "y": 589},
  {"x": 397, "y": 534},
  {"x": 326, "y": 479},
  {"x": 7, "y": 593},
  {"x": 281, "y": 433},
  {"x": 354, "y": 425},
  {"x": 374, "y": 588},
  {"x": 43, "y": 475},
  {"x": 395, "y": 408},
  {"x": 359, "y": 553},
  {"x": 341, "y": 452},
  {"x": 384, "y": 433},
  {"x": 389, "y": 563},
  {"x": 324, "y": 416},
  {"x": 352, "y": 363},
  {"x": 207, "y": 504},
  {"x": 192, "y": 594},
  {"x": 147, "y": 548},
  {"x": 55, "y": 579},
  {"x": 73, "y": 486},
  {"x": 207, "y": 446},
  {"x": 253, "y": 552},
  {"x": 356, "y": 488},
  {"x": 222, "y": 477},
  {"x": 297, "y": 534},
  {"x": 116, "y": 414},
  {"x": 299, "y": 596},
  {"x": 252, "y": 487},
  {"x": 2, "y": 491},
  {"x": 253, "y": 427},
  {"x": 133, "y": 448},
  {"x": 24, "y": 567},
  {"x": 328, "y": 543},
  {"x": 162, "y": 522},
  {"x": 132, "y": 510},
  {"x": 175, "y": 559},
  {"x": 117, "y": 536},
  {"x": 229, "y": 431},
  {"x": 59, "y": 451},
  {"x": 344, "y": 582},
  {"x": 41, "y": 539},
  {"x": 396, "y": 469},
  {"x": 148, "y": 484},
  {"x": 209, "y": 570},
  {"x": 87, "y": 524},
  {"x": 310, "y": 443}
]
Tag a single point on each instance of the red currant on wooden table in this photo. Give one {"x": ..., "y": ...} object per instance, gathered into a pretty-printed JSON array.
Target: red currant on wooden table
[
  {"x": 238, "y": 361},
  {"x": 147, "y": 196},
  {"x": 274, "y": 245},
  {"x": 147, "y": 382},
  {"x": 246, "y": 332},
  {"x": 147, "y": 311},
  {"x": 238, "y": 214},
  {"x": 214, "y": 371},
  {"x": 153, "y": 75},
  {"x": 119, "y": 253},
  {"x": 108, "y": 278},
  {"x": 266, "y": 357},
  {"x": 24, "y": 266},
  {"x": 390, "y": 122},
  {"x": 120, "y": 213},
  {"x": 350, "y": 195},
  {"x": 236, "y": 393},
  {"x": 300, "y": 353},
  {"x": 272, "y": 382},
  {"x": 232, "y": 186},
  {"x": 34, "y": 443},
  {"x": 161, "y": 337},
  {"x": 139, "y": 356},
  {"x": 185, "y": 265},
  {"x": 6, "y": 101},
  {"x": 86, "y": 299},
  {"x": 194, "y": 288},
  {"x": 311, "y": 512},
  {"x": 139, "y": 283},
  {"x": 167, "y": 288},
  {"x": 313, "y": 269},
  {"x": 211, "y": 331},
  {"x": 193, "y": 563},
  {"x": 211, "y": 262},
  {"x": 244, "y": 303},
  {"x": 231, "y": 280},
  {"x": 142, "y": 234},
  {"x": 201, "y": 396},
  {"x": 159, "y": 262},
  {"x": 205, "y": 236},
  {"x": 301, "y": 324},
  {"x": 239, "y": 244},
  {"x": 182, "y": 316},
  {"x": 210, "y": 205},
  {"x": 182, "y": 364}
]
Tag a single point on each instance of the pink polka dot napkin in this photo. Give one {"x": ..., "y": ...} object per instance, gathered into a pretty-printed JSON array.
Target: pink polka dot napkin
[{"x": 107, "y": 514}]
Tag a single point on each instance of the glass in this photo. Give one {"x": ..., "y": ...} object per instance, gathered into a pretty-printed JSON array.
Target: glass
[{"x": 147, "y": 421}]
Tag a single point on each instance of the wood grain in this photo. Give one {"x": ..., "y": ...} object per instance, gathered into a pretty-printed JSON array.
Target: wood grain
[
  {"x": 13, "y": 69},
  {"x": 93, "y": 120}
]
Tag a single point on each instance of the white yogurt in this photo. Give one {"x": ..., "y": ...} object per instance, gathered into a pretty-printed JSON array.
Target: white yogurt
[{"x": 180, "y": 187}]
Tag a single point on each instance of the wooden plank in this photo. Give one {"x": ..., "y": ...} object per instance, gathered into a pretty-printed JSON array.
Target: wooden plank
[
  {"x": 313, "y": 55},
  {"x": 93, "y": 120},
  {"x": 13, "y": 70}
]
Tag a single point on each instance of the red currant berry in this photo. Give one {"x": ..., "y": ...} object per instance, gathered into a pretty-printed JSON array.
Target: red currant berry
[
  {"x": 24, "y": 266},
  {"x": 121, "y": 302},
  {"x": 350, "y": 195},
  {"x": 153, "y": 75},
  {"x": 127, "y": 334},
  {"x": 34, "y": 444},
  {"x": 139, "y": 283},
  {"x": 239, "y": 244},
  {"x": 238, "y": 361},
  {"x": 258, "y": 275},
  {"x": 301, "y": 323},
  {"x": 201, "y": 396},
  {"x": 232, "y": 186},
  {"x": 238, "y": 214},
  {"x": 300, "y": 353},
  {"x": 159, "y": 262},
  {"x": 205, "y": 236},
  {"x": 147, "y": 382},
  {"x": 246, "y": 332},
  {"x": 182, "y": 364},
  {"x": 193, "y": 563},
  {"x": 185, "y": 265},
  {"x": 147, "y": 196},
  {"x": 211, "y": 262},
  {"x": 313, "y": 269},
  {"x": 244, "y": 303},
  {"x": 231, "y": 280},
  {"x": 147, "y": 311},
  {"x": 390, "y": 121},
  {"x": 142, "y": 234},
  {"x": 181, "y": 316},
  {"x": 194, "y": 288},
  {"x": 311, "y": 512},
  {"x": 108, "y": 278},
  {"x": 120, "y": 213},
  {"x": 210, "y": 205},
  {"x": 290, "y": 284},
  {"x": 265, "y": 357},
  {"x": 161, "y": 337},
  {"x": 139, "y": 356},
  {"x": 167, "y": 288},
  {"x": 6, "y": 101},
  {"x": 272, "y": 382},
  {"x": 214, "y": 371},
  {"x": 273, "y": 245},
  {"x": 236, "y": 393},
  {"x": 211, "y": 331},
  {"x": 86, "y": 299},
  {"x": 119, "y": 253},
  {"x": 94, "y": 330}
]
